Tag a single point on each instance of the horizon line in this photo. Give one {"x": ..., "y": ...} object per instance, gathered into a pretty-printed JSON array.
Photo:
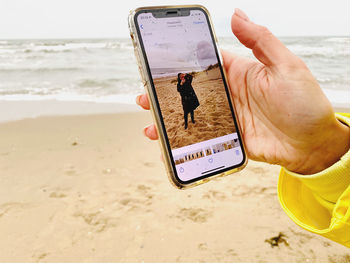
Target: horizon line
[{"x": 127, "y": 37}]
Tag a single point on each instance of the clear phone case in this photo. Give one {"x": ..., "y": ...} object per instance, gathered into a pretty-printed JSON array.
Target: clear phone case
[{"x": 147, "y": 84}]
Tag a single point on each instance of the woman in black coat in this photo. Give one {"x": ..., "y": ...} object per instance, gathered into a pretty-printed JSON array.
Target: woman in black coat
[{"x": 188, "y": 96}]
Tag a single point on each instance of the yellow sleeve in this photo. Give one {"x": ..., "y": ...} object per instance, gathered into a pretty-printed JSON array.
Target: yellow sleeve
[{"x": 320, "y": 202}]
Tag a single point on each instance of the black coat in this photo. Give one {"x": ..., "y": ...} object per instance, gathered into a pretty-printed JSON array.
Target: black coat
[{"x": 188, "y": 96}]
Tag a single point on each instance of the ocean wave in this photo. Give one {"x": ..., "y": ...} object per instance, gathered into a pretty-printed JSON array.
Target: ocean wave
[
  {"x": 107, "y": 87},
  {"x": 324, "y": 80},
  {"x": 56, "y": 47},
  {"x": 345, "y": 40},
  {"x": 105, "y": 70},
  {"x": 8, "y": 51},
  {"x": 106, "y": 83},
  {"x": 7, "y": 92},
  {"x": 24, "y": 92},
  {"x": 46, "y": 51},
  {"x": 49, "y": 43},
  {"x": 319, "y": 51},
  {"x": 64, "y": 47},
  {"x": 11, "y": 51},
  {"x": 71, "y": 97},
  {"x": 39, "y": 70},
  {"x": 120, "y": 45},
  {"x": 85, "y": 87}
]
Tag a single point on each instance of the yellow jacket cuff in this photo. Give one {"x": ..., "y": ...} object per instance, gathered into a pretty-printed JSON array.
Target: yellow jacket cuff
[{"x": 320, "y": 202}]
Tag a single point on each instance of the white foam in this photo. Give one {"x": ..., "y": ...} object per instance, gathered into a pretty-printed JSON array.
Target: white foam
[
  {"x": 338, "y": 39},
  {"x": 328, "y": 51},
  {"x": 68, "y": 46},
  {"x": 118, "y": 98},
  {"x": 7, "y": 51}
]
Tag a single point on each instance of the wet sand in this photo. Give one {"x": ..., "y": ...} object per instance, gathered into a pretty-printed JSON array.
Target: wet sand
[
  {"x": 212, "y": 118},
  {"x": 93, "y": 189}
]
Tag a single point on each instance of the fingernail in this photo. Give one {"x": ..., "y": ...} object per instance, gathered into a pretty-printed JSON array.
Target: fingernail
[
  {"x": 241, "y": 14},
  {"x": 138, "y": 99},
  {"x": 146, "y": 131},
  {"x": 142, "y": 99}
]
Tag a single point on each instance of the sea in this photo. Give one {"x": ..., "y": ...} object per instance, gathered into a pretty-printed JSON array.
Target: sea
[{"x": 105, "y": 70}]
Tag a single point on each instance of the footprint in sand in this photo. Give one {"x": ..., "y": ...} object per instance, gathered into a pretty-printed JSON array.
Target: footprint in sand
[
  {"x": 140, "y": 198},
  {"x": 98, "y": 220},
  {"x": 128, "y": 202},
  {"x": 242, "y": 190},
  {"x": 303, "y": 234},
  {"x": 149, "y": 164},
  {"x": 245, "y": 190},
  {"x": 202, "y": 246},
  {"x": 231, "y": 252},
  {"x": 198, "y": 215},
  {"x": 271, "y": 190},
  {"x": 339, "y": 258},
  {"x": 57, "y": 195},
  {"x": 69, "y": 170},
  {"x": 258, "y": 170},
  {"x": 40, "y": 256},
  {"x": 214, "y": 195},
  {"x": 146, "y": 193}
]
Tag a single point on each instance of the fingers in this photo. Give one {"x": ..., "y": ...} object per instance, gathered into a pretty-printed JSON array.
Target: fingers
[
  {"x": 151, "y": 132},
  {"x": 143, "y": 101},
  {"x": 230, "y": 59},
  {"x": 230, "y": 62},
  {"x": 227, "y": 57},
  {"x": 266, "y": 47}
]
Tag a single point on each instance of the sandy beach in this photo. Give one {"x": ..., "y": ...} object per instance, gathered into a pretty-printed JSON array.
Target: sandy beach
[
  {"x": 93, "y": 189},
  {"x": 213, "y": 111}
]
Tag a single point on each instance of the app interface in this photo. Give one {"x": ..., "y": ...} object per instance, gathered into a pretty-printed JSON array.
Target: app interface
[{"x": 191, "y": 93}]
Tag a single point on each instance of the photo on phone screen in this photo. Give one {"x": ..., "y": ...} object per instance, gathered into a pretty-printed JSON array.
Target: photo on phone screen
[{"x": 192, "y": 96}]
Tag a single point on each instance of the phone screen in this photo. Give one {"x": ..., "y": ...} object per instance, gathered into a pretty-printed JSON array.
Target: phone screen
[{"x": 191, "y": 93}]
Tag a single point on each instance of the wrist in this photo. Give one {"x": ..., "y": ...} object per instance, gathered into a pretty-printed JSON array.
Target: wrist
[{"x": 334, "y": 142}]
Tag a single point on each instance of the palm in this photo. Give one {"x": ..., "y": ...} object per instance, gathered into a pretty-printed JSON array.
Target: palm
[{"x": 260, "y": 92}]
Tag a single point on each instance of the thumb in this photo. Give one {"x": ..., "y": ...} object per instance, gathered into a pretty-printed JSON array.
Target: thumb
[{"x": 268, "y": 49}]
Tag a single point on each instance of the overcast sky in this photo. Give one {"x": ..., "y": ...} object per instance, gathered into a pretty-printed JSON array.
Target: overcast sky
[{"x": 108, "y": 18}]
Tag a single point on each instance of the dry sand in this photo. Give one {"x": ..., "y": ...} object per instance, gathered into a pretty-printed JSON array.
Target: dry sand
[
  {"x": 213, "y": 116},
  {"x": 93, "y": 189}
]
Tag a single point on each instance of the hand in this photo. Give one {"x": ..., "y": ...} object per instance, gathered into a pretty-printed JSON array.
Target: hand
[{"x": 284, "y": 115}]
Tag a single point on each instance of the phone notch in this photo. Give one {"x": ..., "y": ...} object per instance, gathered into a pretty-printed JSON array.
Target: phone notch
[{"x": 171, "y": 13}]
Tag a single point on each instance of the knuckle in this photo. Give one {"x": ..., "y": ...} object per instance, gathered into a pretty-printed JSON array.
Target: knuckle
[
  {"x": 265, "y": 32},
  {"x": 264, "y": 36}
]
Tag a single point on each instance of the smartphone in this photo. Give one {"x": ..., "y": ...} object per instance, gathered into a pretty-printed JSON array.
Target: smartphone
[{"x": 182, "y": 71}]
